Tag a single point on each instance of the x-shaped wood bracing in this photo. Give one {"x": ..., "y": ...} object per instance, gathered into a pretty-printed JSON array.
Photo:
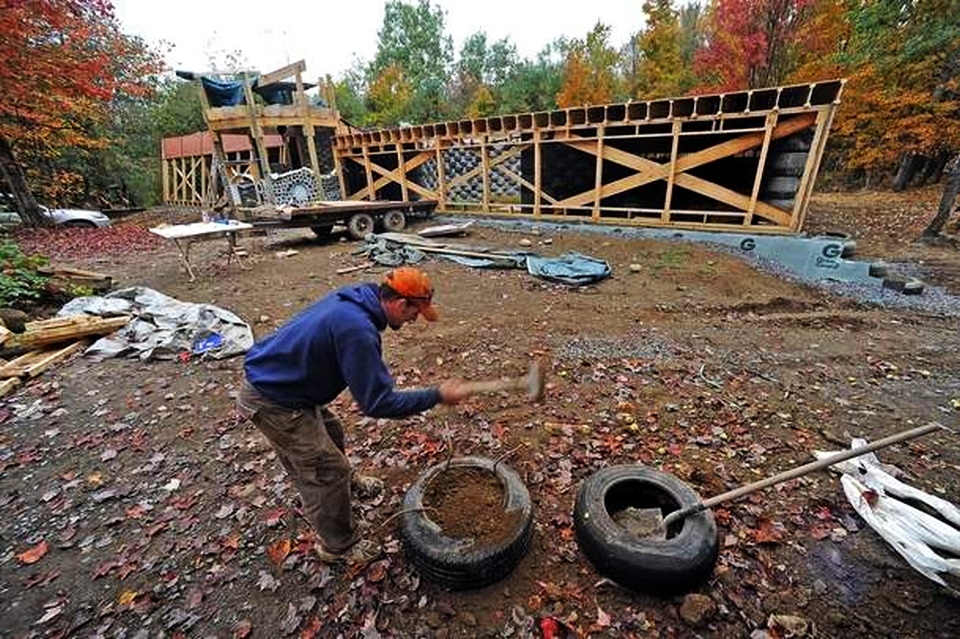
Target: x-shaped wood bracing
[
  {"x": 649, "y": 171},
  {"x": 398, "y": 175}
]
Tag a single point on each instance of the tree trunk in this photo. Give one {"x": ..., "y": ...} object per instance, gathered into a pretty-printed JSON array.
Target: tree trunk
[
  {"x": 908, "y": 166},
  {"x": 951, "y": 187},
  {"x": 12, "y": 173}
]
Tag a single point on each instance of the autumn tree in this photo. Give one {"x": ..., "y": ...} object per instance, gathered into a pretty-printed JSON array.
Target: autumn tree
[
  {"x": 590, "y": 70},
  {"x": 479, "y": 75},
  {"x": 412, "y": 63},
  {"x": 64, "y": 63},
  {"x": 750, "y": 43},
  {"x": 533, "y": 84},
  {"x": 660, "y": 72}
]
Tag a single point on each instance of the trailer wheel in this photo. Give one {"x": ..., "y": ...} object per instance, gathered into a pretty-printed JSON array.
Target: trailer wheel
[
  {"x": 394, "y": 221},
  {"x": 359, "y": 225},
  {"x": 646, "y": 564}
]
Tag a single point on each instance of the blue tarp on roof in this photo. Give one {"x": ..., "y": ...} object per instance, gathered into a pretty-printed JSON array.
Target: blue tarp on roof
[{"x": 221, "y": 93}]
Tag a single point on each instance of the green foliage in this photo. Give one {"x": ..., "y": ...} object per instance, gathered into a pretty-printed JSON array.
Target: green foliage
[
  {"x": 408, "y": 75},
  {"x": 19, "y": 279}
]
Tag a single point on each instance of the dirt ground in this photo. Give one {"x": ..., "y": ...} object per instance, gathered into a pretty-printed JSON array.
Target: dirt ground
[{"x": 165, "y": 515}]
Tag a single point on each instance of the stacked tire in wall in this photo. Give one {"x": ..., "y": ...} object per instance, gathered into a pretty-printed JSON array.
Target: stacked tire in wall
[
  {"x": 457, "y": 162},
  {"x": 788, "y": 159}
]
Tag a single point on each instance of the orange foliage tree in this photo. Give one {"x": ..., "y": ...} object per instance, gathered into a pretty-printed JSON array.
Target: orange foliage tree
[
  {"x": 590, "y": 70},
  {"x": 63, "y": 62}
]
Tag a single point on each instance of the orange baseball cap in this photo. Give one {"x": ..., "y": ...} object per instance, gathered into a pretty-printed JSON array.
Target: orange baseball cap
[{"x": 413, "y": 285}]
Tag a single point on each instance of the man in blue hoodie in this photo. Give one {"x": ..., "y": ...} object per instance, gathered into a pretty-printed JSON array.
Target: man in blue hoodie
[{"x": 292, "y": 375}]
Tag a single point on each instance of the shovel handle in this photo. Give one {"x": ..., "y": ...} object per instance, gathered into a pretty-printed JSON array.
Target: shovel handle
[{"x": 800, "y": 471}]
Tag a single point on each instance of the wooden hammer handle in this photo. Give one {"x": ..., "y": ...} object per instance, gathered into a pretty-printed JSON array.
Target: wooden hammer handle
[{"x": 495, "y": 385}]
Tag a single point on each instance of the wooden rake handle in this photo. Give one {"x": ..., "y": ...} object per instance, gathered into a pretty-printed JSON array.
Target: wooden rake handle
[
  {"x": 800, "y": 471},
  {"x": 496, "y": 385}
]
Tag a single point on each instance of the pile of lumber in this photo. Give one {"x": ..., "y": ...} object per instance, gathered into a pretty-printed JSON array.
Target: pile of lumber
[{"x": 46, "y": 342}]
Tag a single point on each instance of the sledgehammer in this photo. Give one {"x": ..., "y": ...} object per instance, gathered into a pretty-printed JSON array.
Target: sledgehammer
[{"x": 532, "y": 382}]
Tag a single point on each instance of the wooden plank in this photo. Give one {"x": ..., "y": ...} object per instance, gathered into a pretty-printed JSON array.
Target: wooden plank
[
  {"x": 36, "y": 362},
  {"x": 485, "y": 164},
  {"x": 761, "y": 163},
  {"x": 672, "y": 172},
  {"x": 598, "y": 176},
  {"x": 5, "y": 334},
  {"x": 402, "y": 167},
  {"x": 537, "y": 172},
  {"x": 7, "y": 386},
  {"x": 441, "y": 176},
  {"x": 40, "y": 334},
  {"x": 282, "y": 73}
]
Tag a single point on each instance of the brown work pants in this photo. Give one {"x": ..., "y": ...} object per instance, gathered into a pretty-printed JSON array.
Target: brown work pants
[{"x": 310, "y": 446}]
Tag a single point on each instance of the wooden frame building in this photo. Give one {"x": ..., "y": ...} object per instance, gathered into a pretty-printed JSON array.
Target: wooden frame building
[{"x": 742, "y": 160}]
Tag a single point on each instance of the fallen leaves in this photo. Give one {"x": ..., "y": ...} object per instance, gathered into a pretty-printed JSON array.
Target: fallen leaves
[
  {"x": 33, "y": 555},
  {"x": 72, "y": 243},
  {"x": 278, "y": 551}
]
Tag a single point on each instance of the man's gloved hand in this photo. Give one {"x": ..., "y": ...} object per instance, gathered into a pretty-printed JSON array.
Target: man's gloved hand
[{"x": 453, "y": 391}]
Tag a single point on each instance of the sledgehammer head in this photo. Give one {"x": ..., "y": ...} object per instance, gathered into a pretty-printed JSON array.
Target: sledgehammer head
[{"x": 535, "y": 380}]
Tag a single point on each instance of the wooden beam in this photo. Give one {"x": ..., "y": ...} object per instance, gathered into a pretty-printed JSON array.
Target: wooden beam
[
  {"x": 485, "y": 165},
  {"x": 441, "y": 188},
  {"x": 761, "y": 163},
  {"x": 598, "y": 175},
  {"x": 282, "y": 73},
  {"x": 537, "y": 172},
  {"x": 672, "y": 171},
  {"x": 402, "y": 167},
  {"x": 36, "y": 362},
  {"x": 814, "y": 156}
]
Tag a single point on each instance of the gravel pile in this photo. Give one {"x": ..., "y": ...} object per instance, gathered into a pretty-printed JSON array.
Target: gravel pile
[
  {"x": 933, "y": 300},
  {"x": 631, "y": 346}
]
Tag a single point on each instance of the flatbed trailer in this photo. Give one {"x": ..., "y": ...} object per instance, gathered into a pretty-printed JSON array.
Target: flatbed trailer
[{"x": 360, "y": 216}]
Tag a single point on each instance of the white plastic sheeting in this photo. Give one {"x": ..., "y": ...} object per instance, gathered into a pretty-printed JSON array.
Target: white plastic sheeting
[
  {"x": 916, "y": 535},
  {"x": 162, "y": 327}
]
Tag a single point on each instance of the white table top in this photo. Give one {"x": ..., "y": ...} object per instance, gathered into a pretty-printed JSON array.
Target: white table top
[{"x": 177, "y": 231}]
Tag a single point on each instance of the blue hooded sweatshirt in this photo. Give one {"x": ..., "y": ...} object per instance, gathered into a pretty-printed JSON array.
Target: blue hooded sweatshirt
[{"x": 332, "y": 345}]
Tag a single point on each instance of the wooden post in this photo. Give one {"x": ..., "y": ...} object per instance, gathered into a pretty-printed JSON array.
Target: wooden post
[
  {"x": 303, "y": 110},
  {"x": 537, "y": 171},
  {"x": 441, "y": 177},
  {"x": 368, "y": 169},
  {"x": 671, "y": 176},
  {"x": 165, "y": 179},
  {"x": 598, "y": 176},
  {"x": 824, "y": 121},
  {"x": 761, "y": 163},
  {"x": 403, "y": 172},
  {"x": 255, "y": 130},
  {"x": 485, "y": 163}
]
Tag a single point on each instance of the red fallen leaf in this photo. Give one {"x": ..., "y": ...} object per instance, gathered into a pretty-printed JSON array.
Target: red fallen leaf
[
  {"x": 34, "y": 554},
  {"x": 278, "y": 551},
  {"x": 498, "y": 430},
  {"x": 766, "y": 533},
  {"x": 871, "y": 497},
  {"x": 40, "y": 579},
  {"x": 136, "y": 511},
  {"x": 823, "y": 513},
  {"x": 103, "y": 569},
  {"x": 126, "y": 569},
  {"x": 820, "y": 531},
  {"x": 272, "y": 517},
  {"x": 311, "y": 629},
  {"x": 377, "y": 571},
  {"x": 242, "y": 629},
  {"x": 157, "y": 527},
  {"x": 232, "y": 541}
]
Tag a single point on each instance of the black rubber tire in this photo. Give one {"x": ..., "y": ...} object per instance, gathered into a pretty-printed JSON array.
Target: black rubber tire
[
  {"x": 781, "y": 187},
  {"x": 789, "y": 163},
  {"x": 456, "y": 563},
  {"x": 322, "y": 231},
  {"x": 664, "y": 567},
  {"x": 394, "y": 221},
  {"x": 359, "y": 225}
]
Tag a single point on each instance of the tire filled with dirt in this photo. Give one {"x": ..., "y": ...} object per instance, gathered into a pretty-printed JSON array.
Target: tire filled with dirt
[
  {"x": 467, "y": 523},
  {"x": 620, "y": 538}
]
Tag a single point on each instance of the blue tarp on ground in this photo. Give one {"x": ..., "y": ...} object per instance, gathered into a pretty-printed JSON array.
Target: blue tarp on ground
[{"x": 575, "y": 269}]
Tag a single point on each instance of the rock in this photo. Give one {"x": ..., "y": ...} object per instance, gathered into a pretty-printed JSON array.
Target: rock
[
  {"x": 635, "y": 268},
  {"x": 790, "y": 625},
  {"x": 13, "y": 319},
  {"x": 697, "y": 610},
  {"x": 526, "y": 242},
  {"x": 433, "y": 619},
  {"x": 468, "y": 619}
]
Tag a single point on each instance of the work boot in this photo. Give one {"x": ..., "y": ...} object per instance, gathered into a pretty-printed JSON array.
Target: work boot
[
  {"x": 362, "y": 552},
  {"x": 366, "y": 486}
]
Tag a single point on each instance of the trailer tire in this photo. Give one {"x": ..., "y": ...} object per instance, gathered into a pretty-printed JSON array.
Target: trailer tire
[
  {"x": 657, "y": 566},
  {"x": 394, "y": 221},
  {"x": 359, "y": 225},
  {"x": 458, "y": 564}
]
